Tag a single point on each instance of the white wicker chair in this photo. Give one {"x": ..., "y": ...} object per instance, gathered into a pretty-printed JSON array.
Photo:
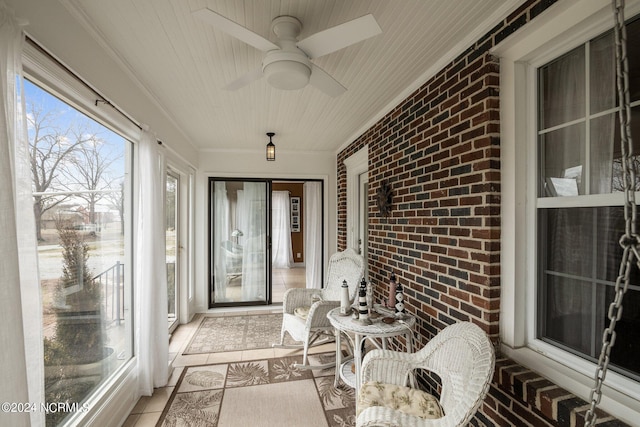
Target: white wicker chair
[
  {"x": 346, "y": 265},
  {"x": 461, "y": 355}
]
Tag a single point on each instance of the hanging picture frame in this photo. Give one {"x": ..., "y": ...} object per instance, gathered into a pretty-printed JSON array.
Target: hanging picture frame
[{"x": 295, "y": 214}]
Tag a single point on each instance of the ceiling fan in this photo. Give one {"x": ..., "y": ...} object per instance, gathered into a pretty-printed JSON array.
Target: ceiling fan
[{"x": 287, "y": 62}]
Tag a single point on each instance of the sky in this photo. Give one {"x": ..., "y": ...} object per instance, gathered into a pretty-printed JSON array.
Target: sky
[{"x": 65, "y": 116}]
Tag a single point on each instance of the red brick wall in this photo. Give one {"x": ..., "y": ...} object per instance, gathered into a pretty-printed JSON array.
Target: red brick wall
[{"x": 440, "y": 151}]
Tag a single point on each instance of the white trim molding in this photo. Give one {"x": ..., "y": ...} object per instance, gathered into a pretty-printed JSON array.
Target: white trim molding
[{"x": 356, "y": 164}]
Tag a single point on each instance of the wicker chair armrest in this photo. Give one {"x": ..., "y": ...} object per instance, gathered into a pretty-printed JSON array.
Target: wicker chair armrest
[
  {"x": 387, "y": 366},
  {"x": 318, "y": 314},
  {"x": 297, "y": 297}
]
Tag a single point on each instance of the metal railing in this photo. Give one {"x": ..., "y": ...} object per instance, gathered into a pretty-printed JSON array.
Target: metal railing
[{"x": 112, "y": 285}]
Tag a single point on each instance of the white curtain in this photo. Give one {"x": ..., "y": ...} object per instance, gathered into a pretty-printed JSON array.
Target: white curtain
[
  {"x": 569, "y": 231},
  {"x": 254, "y": 274},
  {"x": 241, "y": 218},
  {"x": 152, "y": 336},
  {"x": 282, "y": 255},
  {"x": 20, "y": 302},
  {"x": 606, "y": 169},
  {"x": 313, "y": 233},
  {"x": 220, "y": 235}
]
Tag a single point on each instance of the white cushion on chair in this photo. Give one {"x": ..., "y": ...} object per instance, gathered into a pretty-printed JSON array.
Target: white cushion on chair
[
  {"x": 302, "y": 312},
  {"x": 404, "y": 399},
  {"x": 295, "y": 326}
]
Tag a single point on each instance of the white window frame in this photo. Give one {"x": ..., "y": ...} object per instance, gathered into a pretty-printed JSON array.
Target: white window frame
[
  {"x": 186, "y": 289},
  {"x": 356, "y": 164},
  {"x": 121, "y": 387},
  {"x": 562, "y": 27}
]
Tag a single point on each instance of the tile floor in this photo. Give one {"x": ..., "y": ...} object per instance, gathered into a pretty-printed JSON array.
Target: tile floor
[
  {"x": 147, "y": 411},
  {"x": 286, "y": 278},
  {"x": 282, "y": 279}
]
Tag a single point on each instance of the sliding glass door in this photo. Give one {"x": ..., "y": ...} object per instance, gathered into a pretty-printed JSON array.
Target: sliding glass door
[{"x": 239, "y": 244}]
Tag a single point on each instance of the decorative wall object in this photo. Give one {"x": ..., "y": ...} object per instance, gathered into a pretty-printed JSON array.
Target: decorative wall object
[
  {"x": 384, "y": 198},
  {"x": 295, "y": 214}
]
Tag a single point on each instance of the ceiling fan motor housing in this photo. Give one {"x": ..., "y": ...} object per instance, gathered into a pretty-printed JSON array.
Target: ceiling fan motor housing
[{"x": 288, "y": 68}]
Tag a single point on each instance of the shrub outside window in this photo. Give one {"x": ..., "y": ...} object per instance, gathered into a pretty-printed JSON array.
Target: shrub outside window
[{"x": 80, "y": 172}]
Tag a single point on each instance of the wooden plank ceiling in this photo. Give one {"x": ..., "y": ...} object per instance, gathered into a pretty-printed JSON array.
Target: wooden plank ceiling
[{"x": 184, "y": 63}]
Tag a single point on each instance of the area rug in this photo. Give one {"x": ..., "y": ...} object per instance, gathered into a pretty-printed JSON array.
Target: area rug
[
  {"x": 235, "y": 333},
  {"x": 268, "y": 392}
]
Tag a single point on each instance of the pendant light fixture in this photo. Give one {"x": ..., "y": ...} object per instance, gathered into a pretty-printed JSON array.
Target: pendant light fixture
[{"x": 271, "y": 148}]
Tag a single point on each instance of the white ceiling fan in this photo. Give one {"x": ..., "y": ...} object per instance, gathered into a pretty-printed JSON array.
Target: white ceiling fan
[{"x": 287, "y": 62}]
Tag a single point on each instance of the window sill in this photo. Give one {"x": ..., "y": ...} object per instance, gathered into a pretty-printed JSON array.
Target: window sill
[{"x": 525, "y": 373}]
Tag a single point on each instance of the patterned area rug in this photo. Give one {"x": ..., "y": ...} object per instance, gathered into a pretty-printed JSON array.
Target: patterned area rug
[
  {"x": 234, "y": 333},
  {"x": 269, "y": 392}
]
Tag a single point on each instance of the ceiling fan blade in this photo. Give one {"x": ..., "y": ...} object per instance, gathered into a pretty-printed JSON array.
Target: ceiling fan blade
[
  {"x": 323, "y": 81},
  {"x": 244, "y": 80},
  {"x": 340, "y": 36},
  {"x": 234, "y": 29}
]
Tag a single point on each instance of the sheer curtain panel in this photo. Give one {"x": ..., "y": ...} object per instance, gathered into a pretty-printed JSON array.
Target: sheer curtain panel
[
  {"x": 282, "y": 255},
  {"x": 20, "y": 302},
  {"x": 253, "y": 265},
  {"x": 220, "y": 235},
  {"x": 151, "y": 334},
  {"x": 313, "y": 233}
]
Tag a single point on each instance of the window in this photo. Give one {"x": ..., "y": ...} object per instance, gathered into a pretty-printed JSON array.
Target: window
[
  {"x": 560, "y": 199},
  {"x": 579, "y": 211},
  {"x": 172, "y": 204},
  {"x": 81, "y": 186}
]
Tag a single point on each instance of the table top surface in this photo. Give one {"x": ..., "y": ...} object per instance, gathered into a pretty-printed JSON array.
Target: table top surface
[{"x": 377, "y": 326}]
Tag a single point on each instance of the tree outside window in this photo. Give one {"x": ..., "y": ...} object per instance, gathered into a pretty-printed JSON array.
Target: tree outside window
[{"x": 80, "y": 187}]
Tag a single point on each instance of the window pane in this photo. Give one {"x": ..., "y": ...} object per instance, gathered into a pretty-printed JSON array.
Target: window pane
[
  {"x": 80, "y": 186},
  {"x": 606, "y": 153},
  {"x": 568, "y": 313},
  {"x": 238, "y": 241},
  {"x": 562, "y": 90},
  {"x": 624, "y": 354},
  {"x": 580, "y": 261},
  {"x": 171, "y": 225},
  {"x": 633, "y": 41},
  {"x": 562, "y": 159},
  {"x": 610, "y": 229},
  {"x": 602, "y": 74},
  {"x": 604, "y": 92},
  {"x": 569, "y": 234},
  {"x": 606, "y": 170}
]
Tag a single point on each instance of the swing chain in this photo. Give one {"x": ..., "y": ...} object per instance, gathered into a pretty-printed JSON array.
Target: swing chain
[{"x": 629, "y": 241}]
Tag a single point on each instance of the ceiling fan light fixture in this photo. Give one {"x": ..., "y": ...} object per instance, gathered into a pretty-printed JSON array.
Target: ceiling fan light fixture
[
  {"x": 287, "y": 75},
  {"x": 287, "y": 69}
]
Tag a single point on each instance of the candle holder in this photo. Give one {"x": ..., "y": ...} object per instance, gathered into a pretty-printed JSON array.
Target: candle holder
[{"x": 391, "y": 301}]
